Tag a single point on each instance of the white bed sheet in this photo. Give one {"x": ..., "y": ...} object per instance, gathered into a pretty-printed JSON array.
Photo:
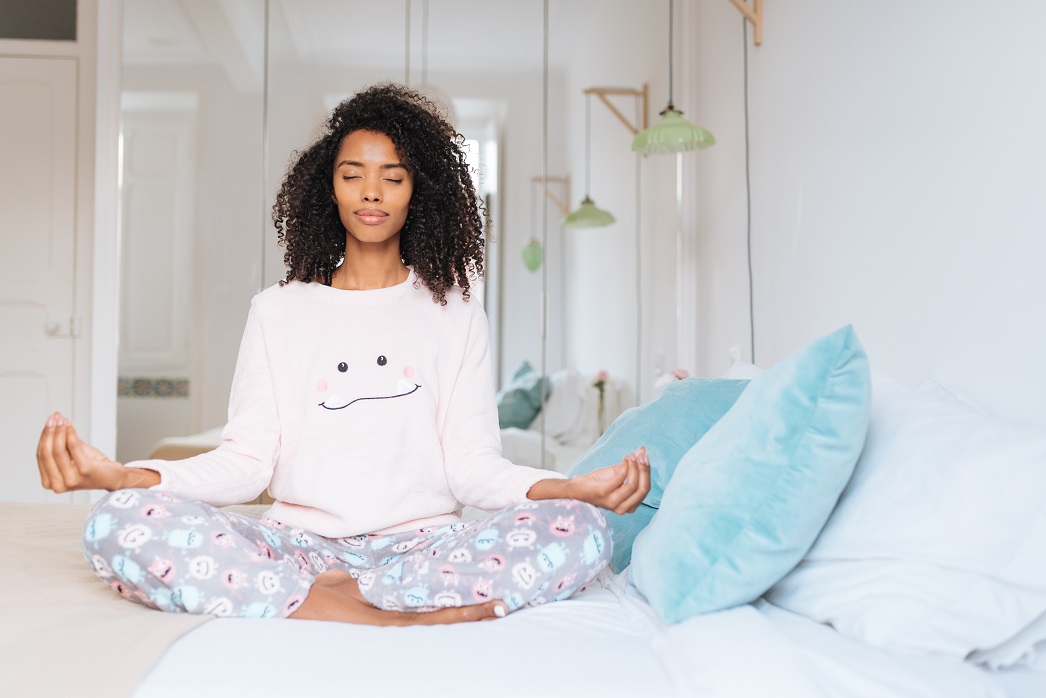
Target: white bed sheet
[{"x": 604, "y": 642}]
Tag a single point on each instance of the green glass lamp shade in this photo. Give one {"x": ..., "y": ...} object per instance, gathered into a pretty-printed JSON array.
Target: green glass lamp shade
[
  {"x": 588, "y": 215},
  {"x": 672, "y": 134},
  {"x": 532, "y": 255}
]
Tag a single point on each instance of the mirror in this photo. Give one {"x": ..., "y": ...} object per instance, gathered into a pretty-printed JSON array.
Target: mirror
[
  {"x": 218, "y": 96},
  {"x": 191, "y": 211}
]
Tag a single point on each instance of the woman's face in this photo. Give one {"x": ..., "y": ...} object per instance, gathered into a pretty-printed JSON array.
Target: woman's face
[{"x": 372, "y": 188}]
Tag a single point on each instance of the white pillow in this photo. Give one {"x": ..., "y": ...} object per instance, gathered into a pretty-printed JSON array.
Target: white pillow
[
  {"x": 742, "y": 370},
  {"x": 564, "y": 406},
  {"x": 942, "y": 531}
]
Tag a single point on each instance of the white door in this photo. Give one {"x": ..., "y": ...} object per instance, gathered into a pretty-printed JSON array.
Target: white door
[{"x": 38, "y": 163}]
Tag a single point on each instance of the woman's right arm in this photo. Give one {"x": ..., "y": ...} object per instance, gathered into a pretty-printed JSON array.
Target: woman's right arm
[{"x": 238, "y": 470}]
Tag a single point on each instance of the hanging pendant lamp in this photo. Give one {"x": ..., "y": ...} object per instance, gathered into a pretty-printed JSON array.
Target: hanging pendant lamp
[
  {"x": 533, "y": 254},
  {"x": 673, "y": 133},
  {"x": 588, "y": 215}
]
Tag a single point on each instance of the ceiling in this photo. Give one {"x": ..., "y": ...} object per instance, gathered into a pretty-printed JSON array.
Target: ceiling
[{"x": 470, "y": 36}]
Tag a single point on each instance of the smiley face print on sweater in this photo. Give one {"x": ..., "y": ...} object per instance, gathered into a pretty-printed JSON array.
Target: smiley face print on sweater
[{"x": 350, "y": 382}]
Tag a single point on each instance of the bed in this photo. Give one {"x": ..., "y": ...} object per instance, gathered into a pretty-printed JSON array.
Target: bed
[{"x": 62, "y": 632}]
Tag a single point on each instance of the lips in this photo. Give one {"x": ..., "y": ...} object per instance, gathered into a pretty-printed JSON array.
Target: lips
[{"x": 370, "y": 216}]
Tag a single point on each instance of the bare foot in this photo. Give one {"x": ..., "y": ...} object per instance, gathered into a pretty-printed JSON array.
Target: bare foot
[{"x": 335, "y": 595}]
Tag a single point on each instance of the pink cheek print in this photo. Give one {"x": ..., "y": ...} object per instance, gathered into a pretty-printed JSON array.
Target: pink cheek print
[
  {"x": 562, "y": 527},
  {"x": 162, "y": 569},
  {"x": 483, "y": 590},
  {"x": 322, "y": 386},
  {"x": 408, "y": 372},
  {"x": 234, "y": 579}
]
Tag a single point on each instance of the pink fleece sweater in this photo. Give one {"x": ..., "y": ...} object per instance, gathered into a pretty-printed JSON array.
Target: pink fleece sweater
[{"x": 362, "y": 411}]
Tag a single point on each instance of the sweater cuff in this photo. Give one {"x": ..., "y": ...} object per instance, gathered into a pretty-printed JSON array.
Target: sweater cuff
[{"x": 158, "y": 466}]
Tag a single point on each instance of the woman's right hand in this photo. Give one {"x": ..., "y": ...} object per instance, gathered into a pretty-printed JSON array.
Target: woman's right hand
[{"x": 68, "y": 463}]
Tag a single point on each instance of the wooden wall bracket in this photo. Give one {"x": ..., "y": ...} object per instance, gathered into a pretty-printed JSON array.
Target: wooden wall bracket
[
  {"x": 604, "y": 92},
  {"x": 563, "y": 204},
  {"x": 753, "y": 14}
]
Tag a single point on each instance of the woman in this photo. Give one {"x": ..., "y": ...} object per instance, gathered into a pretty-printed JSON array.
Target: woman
[{"x": 363, "y": 399}]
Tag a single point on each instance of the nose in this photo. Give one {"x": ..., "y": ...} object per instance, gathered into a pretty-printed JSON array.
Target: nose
[{"x": 372, "y": 191}]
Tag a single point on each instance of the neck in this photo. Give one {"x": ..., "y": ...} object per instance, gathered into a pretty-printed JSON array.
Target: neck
[{"x": 369, "y": 266}]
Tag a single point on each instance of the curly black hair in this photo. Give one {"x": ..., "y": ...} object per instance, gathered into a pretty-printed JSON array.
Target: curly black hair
[{"x": 442, "y": 238}]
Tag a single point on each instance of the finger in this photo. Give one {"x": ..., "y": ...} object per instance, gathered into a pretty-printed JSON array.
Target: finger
[
  {"x": 642, "y": 486},
  {"x": 66, "y": 467},
  {"x": 616, "y": 476},
  {"x": 83, "y": 464},
  {"x": 614, "y": 499},
  {"x": 631, "y": 486},
  {"x": 44, "y": 459},
  {"x": 75, "y": 446}
]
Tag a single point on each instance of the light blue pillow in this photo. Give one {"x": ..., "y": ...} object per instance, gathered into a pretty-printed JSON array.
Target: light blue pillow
[
  {"x": 668, "y": 427},
  {"x": 520, "y": 400},
  {"x": 748, "y": 500}
]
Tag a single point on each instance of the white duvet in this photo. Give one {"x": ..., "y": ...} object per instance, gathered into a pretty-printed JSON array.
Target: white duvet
[{"x": 604, "y": 642}]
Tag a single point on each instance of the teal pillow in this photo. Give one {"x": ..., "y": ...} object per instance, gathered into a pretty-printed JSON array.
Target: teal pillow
[
  {"x": 748, "y": 500},
  {"x": 520, "y": 401},
  {"x": 668, "y": 427}
]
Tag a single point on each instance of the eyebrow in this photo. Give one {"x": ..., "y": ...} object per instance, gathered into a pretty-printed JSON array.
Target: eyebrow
[{"x": 388, "y": 166}]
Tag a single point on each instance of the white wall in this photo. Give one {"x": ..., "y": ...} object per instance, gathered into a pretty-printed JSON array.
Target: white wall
[
  {"x": 898, "y": 176},
  {"x": 621, "y": 43}
]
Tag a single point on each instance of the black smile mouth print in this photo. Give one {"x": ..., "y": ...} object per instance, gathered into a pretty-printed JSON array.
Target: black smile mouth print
[{"x": 325, "y": 406}]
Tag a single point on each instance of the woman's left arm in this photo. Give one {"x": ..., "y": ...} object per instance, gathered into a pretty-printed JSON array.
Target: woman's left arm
[{"x": 618, "y": 488}]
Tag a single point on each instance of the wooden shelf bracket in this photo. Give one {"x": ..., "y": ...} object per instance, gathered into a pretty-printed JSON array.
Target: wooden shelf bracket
[
  {"x": 753, "y": 14},
  {"x": 604, "y": 92},
  {"x": 563, "y": 204}
]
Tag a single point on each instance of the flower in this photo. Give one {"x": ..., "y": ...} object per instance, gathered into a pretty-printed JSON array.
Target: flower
[
  {"x": 600, "y": 382},
  {"x": 667, "y": 378}
]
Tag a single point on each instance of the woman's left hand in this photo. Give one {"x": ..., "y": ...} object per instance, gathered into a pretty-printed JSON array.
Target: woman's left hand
[{"x": 618, "y": 488}]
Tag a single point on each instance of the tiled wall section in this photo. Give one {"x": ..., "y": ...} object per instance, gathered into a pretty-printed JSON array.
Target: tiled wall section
[{"x": 152, "y": 387}]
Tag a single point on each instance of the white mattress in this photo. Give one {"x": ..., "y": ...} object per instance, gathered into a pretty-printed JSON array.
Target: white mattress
[{"x": 604, "y": 642}]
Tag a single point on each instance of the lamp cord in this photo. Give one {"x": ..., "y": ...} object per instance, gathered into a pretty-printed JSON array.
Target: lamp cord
[
  {"x": 748, "y": 191},
  {"x": 671, "y": 16},
  {"x": 533, "y": 211},
  {"x": 588, "y": 141},
  {"x": 406, "y": 61},
  {"x": 639, "y": 273},
  {"x": 424, "y": 43},
  {"x": 264, "y": 144},
  {"x": 544, "y": 223}
]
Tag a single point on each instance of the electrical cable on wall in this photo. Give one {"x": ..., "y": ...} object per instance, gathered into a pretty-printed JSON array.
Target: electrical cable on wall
[
  {"x": 264, "y": 145},
  {"x": 748, "y": 192},
  {"x": 425, "y": 43},
  {"x": 544, "y": 221},
  {"x": 406, "y": 48},
  {"x": 639, "y": 269}
]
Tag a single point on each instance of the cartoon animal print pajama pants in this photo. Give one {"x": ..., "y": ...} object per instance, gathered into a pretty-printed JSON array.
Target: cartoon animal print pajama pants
[{"x": 181, "y": 555}]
